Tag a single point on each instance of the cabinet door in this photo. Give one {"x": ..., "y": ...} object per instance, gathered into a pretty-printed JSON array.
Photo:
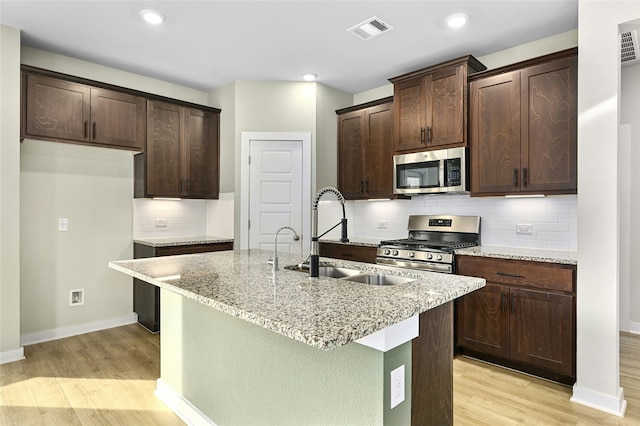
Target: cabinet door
[
  {"x": 483, "y": 320},
  {"x": 202, "y": 143},
  {"x": 117, "y": 119},
  {"x": 351, "y": 146},
  {"x": 164, "y": 152},
  {"x": 495, "y": 134},
  {"x": 549, "y": 127},
  {"x": 378, "y": 156},
  {"x": 542, "y": 329},
  {"x": 409, "y": 98},
  {"x": 446, "y": 107},
  {"x": 56, "y": 109}
]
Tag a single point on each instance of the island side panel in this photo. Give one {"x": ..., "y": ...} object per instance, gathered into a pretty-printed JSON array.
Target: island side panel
[
  {"x": 239, "y": 373},
  {"x": 432, "y": 368}
]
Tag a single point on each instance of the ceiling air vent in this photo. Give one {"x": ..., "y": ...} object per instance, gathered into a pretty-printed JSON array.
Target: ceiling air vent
[
  {"x": 629, "y": 50},
  {"x": 370, "y": 28}
]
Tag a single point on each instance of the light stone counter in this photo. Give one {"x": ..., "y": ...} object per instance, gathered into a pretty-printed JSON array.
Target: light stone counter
[
  {"x": 181, "y": 241},
  {"x": 533, "y": 255},
  {"x": 325, "y": 313}
]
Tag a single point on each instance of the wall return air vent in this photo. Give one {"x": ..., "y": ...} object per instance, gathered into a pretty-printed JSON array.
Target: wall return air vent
[
  {"x": 370, "y": 28},
  {"x": 629, "y": 50}
]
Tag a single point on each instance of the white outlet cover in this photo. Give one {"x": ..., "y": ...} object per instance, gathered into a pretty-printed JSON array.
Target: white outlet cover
[
  {"x": 63, "y": 224},
  {"x": 382, "y": 224},
  {"x": 397, "y": 386},
  {"x": 161, "y": 223},
  {"x": 524, "y": 228}
]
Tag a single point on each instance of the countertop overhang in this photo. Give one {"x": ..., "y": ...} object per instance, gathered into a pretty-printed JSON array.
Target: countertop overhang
[{"x": 325, "y": 313}]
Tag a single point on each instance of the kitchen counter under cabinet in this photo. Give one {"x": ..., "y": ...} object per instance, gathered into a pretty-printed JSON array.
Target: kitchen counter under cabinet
[{"x": 237, "y": 335}]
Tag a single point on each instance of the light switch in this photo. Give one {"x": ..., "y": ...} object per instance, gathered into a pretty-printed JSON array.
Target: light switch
[{"x": 63, "y": 224}]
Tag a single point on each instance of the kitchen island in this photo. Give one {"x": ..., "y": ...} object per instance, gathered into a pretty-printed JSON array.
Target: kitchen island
[{"x": 243, "y": 345}]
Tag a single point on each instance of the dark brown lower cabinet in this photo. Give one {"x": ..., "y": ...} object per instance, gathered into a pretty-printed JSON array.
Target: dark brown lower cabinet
[
  {"x": 146, "y": 297},
  {"x": 524, "y": 318},
  {"x": 354, "y": 252},
  {"x": 432, "y": 368}
]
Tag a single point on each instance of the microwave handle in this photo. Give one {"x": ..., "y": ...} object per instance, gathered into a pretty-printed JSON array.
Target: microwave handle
[{"x": 441, "y": 171}]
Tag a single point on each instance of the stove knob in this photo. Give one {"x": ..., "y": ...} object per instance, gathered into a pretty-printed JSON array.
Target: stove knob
[
  {"x": 429, "y": 256},
  {"x": 387, "y": 252},
  {"x": 395, "y": 252},
  {"x": 438, "y": 257},
  {"x": 412, "y": 254}
]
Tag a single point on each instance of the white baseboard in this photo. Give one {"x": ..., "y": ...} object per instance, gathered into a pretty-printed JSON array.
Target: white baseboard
[
  {"x": 182, "y": 408},
  {"x": 74, "y": 330},
  {"x": 615, "y": 405},
  {"x": 12, "y": 355},
  {"x": 634, "y": 327}
]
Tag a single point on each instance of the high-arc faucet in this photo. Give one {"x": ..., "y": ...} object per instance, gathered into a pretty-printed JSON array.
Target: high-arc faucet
[
  {"x": 314, "y": 257},
  {"x": 274, "y": 261}
]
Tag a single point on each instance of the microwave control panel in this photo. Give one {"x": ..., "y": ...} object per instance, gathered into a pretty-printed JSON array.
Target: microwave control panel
[{"x": 453, "y": 173}]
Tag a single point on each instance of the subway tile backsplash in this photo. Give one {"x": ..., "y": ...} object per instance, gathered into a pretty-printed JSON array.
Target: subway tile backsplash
[
  {"x": 553, "y": 219},
  {"x": 184, "y": 218}
]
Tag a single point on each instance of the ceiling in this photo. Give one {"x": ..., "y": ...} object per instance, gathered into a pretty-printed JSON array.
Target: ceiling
[{"x": 207, "y": 44}]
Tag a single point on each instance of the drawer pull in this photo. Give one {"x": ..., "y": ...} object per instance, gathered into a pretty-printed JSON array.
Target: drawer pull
[
  {"x": 505, "y": 274},
  {"x": 513, "y": 303},
  {"x": 504, "y": 301}
]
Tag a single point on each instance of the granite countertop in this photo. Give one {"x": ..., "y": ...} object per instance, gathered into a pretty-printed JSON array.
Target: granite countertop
[
  {"x": 325, "y": 313},
  {"x": 181, "y": 241},
  {"x": 514, "y": 253}
]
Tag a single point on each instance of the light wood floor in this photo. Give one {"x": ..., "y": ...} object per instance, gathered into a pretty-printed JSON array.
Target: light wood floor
[{"x": 108, "y": 378}]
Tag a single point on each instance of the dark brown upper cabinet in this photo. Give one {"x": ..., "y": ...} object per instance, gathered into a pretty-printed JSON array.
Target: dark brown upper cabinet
[
  {"x": 67, "y": 111},
  {"x": 365, "y": 152},
  {"x": 523, "y": 127},
  {"x": 182, "y": 153},
  {"x": 430, "y": 106}
]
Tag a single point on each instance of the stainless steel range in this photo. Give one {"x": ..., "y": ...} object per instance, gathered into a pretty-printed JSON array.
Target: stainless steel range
[{"x": 431, "y": 243}]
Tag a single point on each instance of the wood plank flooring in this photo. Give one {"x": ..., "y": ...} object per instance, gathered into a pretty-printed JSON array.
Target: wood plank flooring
[
  {"x": 102, "y": 378},
  {"x": 108, "y": 378}
]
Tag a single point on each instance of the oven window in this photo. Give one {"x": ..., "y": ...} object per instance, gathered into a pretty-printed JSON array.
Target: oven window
[{"x": 418, "y": 175}]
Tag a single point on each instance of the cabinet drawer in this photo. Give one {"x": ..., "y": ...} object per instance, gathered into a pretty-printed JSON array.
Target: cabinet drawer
[
  {"x": 547, "y": 276},
  {"x": 193, "y": 248}
]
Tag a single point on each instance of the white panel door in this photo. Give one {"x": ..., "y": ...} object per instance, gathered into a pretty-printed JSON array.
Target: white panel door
[{"x": 275, "y": 194}]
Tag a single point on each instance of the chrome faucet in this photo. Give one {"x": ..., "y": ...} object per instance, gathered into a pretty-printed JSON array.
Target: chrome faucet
[
  {"x": 274, "y": 261},
  {"x": 314, "y": 257}
]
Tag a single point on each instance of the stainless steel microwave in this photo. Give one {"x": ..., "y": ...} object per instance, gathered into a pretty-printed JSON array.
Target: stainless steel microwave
[{"x": 431, "y": 172}]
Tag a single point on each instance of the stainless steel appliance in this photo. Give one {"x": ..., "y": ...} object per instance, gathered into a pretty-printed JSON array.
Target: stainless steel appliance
[
  {"x": 428, "y": 172},
  {"x": 431, "y": 243}
]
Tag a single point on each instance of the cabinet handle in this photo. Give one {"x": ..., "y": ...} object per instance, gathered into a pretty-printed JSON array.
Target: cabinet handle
[
  {"x": 94, "y": 131},
  {"x": 506, "y": 274},
  {"x": 361, "y": 186},
  {"x": 524, "y": 177},
  {"x": 84, "y": 129},
  {"x": 515, "y": 178},
  {"x": 504, "y": 301},
  {"x": 513, "y": 303},
  {"x": 429, "y": 134},
  {"x": 422, "y": 135},
  {"x": 366, "y": 185},
  {"x": 188, "y": 185}
]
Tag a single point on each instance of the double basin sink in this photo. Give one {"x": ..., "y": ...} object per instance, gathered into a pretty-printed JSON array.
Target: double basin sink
[{"x": 356, "y": 275}]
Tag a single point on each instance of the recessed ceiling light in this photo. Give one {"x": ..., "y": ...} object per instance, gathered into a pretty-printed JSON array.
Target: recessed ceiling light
[
  {"x": 152, "y": 16},
  {"x": 309, "y": 77},
  {"x": 457, "y": 20}
]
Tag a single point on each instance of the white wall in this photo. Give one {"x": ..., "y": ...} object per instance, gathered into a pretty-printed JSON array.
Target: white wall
[
  {"x": 10, "y": 347},
  {"x": 630, "y": 115},
  {"x": 598, "y": 228}
]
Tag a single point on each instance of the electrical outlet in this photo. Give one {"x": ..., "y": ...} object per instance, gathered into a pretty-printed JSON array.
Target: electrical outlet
[
  {"x": 63, "y": 224},
  {"x": 76, "y": 297},
  {"x": 397, "y": 386},
  {"x": 524, "y": 228},
  {"x": 161, "y": 223},
  {"x": 382, "y": 224}
]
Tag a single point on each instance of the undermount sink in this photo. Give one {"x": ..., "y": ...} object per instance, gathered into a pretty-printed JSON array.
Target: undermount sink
[
  {"x": 379, "y": 279},
  {"x": 336, "y": 272},
  {"x": 355, "y": 275}
]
